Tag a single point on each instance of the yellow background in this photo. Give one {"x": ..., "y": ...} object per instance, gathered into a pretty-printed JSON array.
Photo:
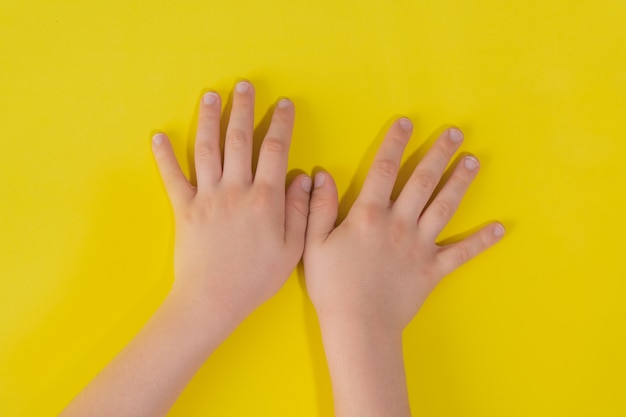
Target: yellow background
[{"x": 534, "y": 327}]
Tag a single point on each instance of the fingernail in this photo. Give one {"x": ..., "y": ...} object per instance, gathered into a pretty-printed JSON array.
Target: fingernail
[
  {"x": 406, "y": 124},
  {"x": 209, "y": 98},
  {"x": 498, "y": 231},
  {"x": 456, "y": 135},
  {"x": 320, "y": 179},
  {"x": 242, "y": 87},
  {"x": 284, "y": 103},
  {"x": 305, "y": 183},
  {"x": 158, "y": 139},
  {"x": 471, "y": 163}
]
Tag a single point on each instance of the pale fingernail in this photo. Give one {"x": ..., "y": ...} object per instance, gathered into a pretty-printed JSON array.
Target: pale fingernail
[
  {"x": 498, "y": 231},
  {"x": 209, "y": 98},
  {"x": 471, "y": 163},
  {"x": 158, "y": 139},
  {"x": 406, "y": 124},
  {"x": 320, "y": 179},
  {"x": 242, "y": 87},
  {"x": 306, "y": 184},
  {"x": 456, "y": 135},
  {"x": 284, "y": 103}
]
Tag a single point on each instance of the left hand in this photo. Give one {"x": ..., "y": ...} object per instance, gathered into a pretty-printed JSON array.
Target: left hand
[{"x": 238, "y": 235}]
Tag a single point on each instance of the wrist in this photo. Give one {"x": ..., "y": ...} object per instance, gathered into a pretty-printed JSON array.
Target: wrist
[
  {"x": 366, "y": 366},
  {"x": 368, "y": 324},
  {"x": 208, "y": 322},
  {"x": 371, "y": 333}
]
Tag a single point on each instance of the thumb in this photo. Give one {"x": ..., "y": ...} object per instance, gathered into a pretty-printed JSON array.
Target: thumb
[
  {"x": 297, "y": 211},
  {"x": 322, "y": 208}
]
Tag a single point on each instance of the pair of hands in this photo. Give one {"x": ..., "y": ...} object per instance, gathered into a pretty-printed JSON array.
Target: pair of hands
[{"x": 239, "y": 236}]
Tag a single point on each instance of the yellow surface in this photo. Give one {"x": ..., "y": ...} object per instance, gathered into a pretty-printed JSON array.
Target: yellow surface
[{"x": 535, "y": 327}]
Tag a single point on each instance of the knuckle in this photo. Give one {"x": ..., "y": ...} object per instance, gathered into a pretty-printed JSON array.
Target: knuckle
[
  {"x": 399, "y": 139},
  {"x": 232, "y": 198},
  {"x": 209, "y": 116},
  {"x": 237, "y": 139},
  {"x": 273, "y": 145},
  {"x": 282, "y": 116},
  {"x": 300, "y": 207},
  {"x": 185, "y": 216},
  {"x": 170, "y": 180},
  {"x": 485, "y": 239},
  {"x": 190, "y": 214},
  {"x": 386, "y": 167},
  {"x": 442, "y": 208},
  {"x": 463, "y": 179},
  {"x": 317, "y": 204},
  {"x": 441, "y": 153},
  {"x": 367, "y": 214},
  {"x": 462, "y": 254},
  {"x": 399, "y": 232},
  {"x": 264, "y": 195},
  {"x": 206, "y": 150},
  {"x": 425, "y": 180}
]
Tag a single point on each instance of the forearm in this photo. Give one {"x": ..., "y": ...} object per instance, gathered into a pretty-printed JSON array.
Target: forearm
[
  {"x": 367, "y": 369},
  {"x": 149, "y": 374}
]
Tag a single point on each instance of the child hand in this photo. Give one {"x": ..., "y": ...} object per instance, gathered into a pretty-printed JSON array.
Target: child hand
[
  {"x": 238, "y": 238},
  {"x": 238, "y": 235},
  {"x": 369, "y": 276},
  {"x": 380, "y": 264}
]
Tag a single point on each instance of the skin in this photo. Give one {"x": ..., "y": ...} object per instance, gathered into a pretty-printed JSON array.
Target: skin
[
  {"x": 229, "y": 213},
  {"x": 368, "y": 277}
]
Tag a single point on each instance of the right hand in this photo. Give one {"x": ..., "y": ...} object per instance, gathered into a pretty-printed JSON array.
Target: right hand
[{"x": 379, "y": 265}]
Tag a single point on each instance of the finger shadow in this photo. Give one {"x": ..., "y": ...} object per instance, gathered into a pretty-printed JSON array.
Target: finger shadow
[
  {"x": 291, "y": 175},
  {"x": 191, "y": 140},
  {"x": 227, "y": 106},
  {"x": 444, "y": 180},
  {"x": 445, "y": 177},
  {"x": 408, "y": 165},
  {"x": 404, "y": 173},
  {"x": 259, "y": 134},
  {"x": 510, "y": 225},
  {"x": 351, "y": 194},
  {"x": 463, "y": 235}
]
